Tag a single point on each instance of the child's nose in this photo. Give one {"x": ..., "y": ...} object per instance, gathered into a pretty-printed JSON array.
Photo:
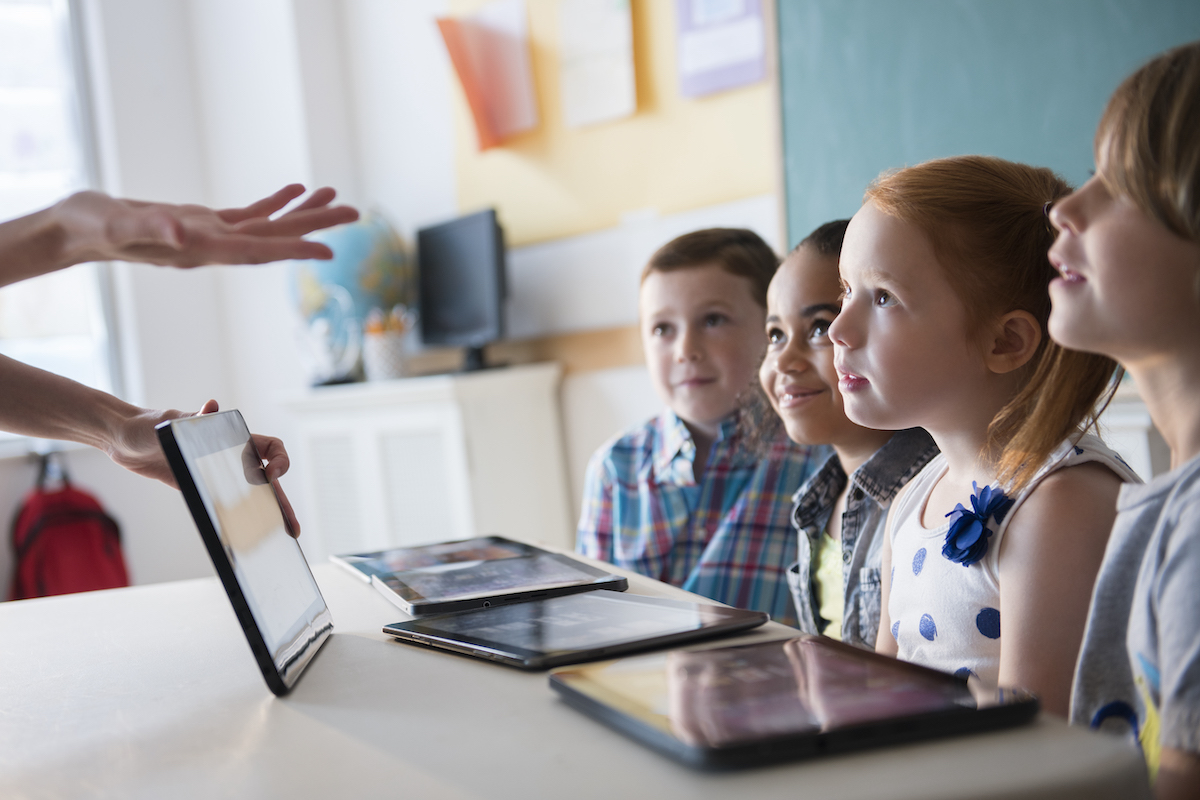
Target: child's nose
[
  {"x": 688, "y": 346},
  {"x": 1062, "y": 212},
  {"x": 792, "y": 358},
  {"x": 842, "y": 326}
]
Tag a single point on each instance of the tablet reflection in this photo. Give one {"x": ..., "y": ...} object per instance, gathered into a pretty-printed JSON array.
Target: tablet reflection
[
  {"x": 736, "y": 695},
  {"x": 731, "y": 695}
]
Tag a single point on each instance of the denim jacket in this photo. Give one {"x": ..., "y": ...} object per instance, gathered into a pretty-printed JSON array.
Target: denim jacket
[{"x": 874, "y": 485}]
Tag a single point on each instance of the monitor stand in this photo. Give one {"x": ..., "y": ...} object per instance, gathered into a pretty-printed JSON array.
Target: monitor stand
[{"x": 473, "y": 359}]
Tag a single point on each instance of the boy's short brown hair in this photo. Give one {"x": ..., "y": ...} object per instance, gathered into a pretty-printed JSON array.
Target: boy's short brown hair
[
  {"x": 738, "y": 251},
  {"x": 1148, "y": 141}
]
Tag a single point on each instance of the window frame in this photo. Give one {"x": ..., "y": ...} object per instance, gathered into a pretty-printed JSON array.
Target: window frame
[{"x": 72, "y": 35}]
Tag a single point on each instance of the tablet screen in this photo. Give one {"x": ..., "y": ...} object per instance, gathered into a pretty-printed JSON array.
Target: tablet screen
[
  {"x": 574, "y": 623},
  {"x": 466, "y": 579},
  {"x": 403, "y": 559},
  {"x": 224, "y": 472},
  {"x": 733, "y": 696}
]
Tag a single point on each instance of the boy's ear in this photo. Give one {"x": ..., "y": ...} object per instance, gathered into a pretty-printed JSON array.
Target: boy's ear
[{"x": 1015, "y": 339}]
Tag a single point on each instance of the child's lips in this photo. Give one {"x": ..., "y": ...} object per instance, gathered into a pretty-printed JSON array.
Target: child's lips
[
  {"x": 793, "y": 396},
  {"x": 694, "y": 383},
  {"x": 849, "y": 381},
  {"x": 1065, "y": 273}
]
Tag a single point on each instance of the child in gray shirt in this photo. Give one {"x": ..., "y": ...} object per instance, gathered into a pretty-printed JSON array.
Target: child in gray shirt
[{"x": 1128, "y": 256}]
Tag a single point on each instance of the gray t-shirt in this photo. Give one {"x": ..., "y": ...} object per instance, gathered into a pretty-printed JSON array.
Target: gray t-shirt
[{"x": 1139, "y": 668}]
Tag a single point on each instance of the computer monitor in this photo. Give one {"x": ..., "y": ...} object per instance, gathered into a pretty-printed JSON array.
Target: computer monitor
[{"x": 461, "y": 268}]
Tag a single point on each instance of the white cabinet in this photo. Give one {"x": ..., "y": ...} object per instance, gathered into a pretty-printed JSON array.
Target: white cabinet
[{"x": 429, "y": 459}]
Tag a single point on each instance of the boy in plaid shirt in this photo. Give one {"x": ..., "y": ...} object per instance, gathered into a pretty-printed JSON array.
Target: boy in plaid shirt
[{"x": 685, "y": 498}]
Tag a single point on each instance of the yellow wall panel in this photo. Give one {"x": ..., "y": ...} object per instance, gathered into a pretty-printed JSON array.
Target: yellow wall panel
[{"x": 674, "y": 154}]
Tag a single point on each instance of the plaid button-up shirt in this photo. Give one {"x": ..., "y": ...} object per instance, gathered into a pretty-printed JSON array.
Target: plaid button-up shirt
[{"x": 728, "y": 537}]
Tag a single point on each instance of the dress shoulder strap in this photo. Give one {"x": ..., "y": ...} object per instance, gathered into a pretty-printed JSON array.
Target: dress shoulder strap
[{"x": 1071, "y": 453}]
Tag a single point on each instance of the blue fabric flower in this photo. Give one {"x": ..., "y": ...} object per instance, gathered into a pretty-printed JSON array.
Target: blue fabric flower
[{"x": 967, "y": 539}]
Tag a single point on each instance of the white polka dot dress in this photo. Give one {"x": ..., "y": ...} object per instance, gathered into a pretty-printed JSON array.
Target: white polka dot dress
[{"x": 945, "y": 615}]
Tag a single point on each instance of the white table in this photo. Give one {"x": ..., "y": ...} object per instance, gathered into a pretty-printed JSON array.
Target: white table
[{"x": 151, "y": 692}]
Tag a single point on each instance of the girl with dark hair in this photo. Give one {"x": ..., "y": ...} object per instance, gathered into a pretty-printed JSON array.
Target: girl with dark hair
[{"x": 840, "y": 511}]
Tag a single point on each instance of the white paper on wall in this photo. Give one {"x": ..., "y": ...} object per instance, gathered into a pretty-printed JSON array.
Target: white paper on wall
[{"x": 596, "y": 72}]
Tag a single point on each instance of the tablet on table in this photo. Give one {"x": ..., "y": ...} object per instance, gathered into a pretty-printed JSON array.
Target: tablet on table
[
  {"x": 781, "y": 700},
  {"x": 474, "y": 573},
  {"x": 538, "y": 634}
]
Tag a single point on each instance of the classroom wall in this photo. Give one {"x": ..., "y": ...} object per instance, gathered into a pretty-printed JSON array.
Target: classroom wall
[
  {"x": 220, "y": 102},
  {"x": 867, "y": 86},
  {"x": 675, "y": 154}
]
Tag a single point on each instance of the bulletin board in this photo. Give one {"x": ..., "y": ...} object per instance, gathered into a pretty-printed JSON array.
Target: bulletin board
[
  {"x": 674, "y": 154},
  {"x": 869, "y": 85}
]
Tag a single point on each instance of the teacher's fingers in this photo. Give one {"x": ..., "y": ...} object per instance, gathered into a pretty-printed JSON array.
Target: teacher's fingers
[
  {"x": 271, "y": 450},
  {"x": 264, "y": 207},
  {"x": 289, "y": 515}
]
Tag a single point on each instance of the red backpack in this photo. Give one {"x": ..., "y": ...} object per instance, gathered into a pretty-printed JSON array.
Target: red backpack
[{"x": 64, "y": 542}]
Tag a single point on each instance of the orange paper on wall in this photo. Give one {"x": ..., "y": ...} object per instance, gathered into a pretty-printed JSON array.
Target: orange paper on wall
[{"x": 490, "y": 54}]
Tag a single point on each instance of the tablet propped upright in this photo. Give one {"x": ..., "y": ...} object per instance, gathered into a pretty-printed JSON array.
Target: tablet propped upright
[{"x": 265, "y": 574}]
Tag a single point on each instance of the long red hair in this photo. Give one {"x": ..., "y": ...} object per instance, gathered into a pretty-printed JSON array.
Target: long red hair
[{"x": 986, "y": 220}]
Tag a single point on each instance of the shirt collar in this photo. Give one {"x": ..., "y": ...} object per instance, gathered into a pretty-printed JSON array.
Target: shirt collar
[
  {"x": 894, "y": 464},
  {"x": 1136, "y": 494},
  {"x": 818, "y": 493},
  {"x": 888, "y": 469},
  {"x": 675, "y": 440}
]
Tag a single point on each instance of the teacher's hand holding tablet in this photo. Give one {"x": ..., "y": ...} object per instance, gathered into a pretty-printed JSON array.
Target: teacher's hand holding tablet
[{"x": 135, "y": 447}]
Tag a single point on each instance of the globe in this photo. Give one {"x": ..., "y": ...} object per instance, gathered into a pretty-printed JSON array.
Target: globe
[
  {"x": 370, "y": 269},
  {"x": 369, "y": 261}
]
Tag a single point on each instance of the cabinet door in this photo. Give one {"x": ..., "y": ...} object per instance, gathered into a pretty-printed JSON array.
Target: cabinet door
[
  {"x": 382, "y": 479},
  {"x": 423, "y": 478}
]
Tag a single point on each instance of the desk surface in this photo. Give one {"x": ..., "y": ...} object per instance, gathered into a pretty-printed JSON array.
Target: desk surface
[{"x": 152, "y": 692}]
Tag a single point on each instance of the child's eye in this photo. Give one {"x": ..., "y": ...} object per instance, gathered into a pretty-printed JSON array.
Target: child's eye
[
  {"x": 714, "y": 319},
  {"x": 661, "y": 329},
  {"x": 775, "y": 336},
  {"x": 885, "y": 299},
  {"x": 845, "y": 295},
  {"x": 819, "y": 331}
]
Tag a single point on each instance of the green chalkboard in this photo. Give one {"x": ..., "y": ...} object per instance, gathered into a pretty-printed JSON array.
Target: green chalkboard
[{"x": 869, "y": 85}]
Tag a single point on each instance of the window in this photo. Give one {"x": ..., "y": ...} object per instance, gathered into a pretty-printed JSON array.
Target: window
[{"x": 57, "y": 321}]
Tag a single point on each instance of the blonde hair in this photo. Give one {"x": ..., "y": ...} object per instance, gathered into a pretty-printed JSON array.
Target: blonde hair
[
  {"x": 1148, "y": 141},
  {"x": 986, "y": 221}
]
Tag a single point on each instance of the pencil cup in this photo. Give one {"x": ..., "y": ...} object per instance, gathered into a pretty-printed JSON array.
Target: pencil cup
[{"x": 383, "y": 355}]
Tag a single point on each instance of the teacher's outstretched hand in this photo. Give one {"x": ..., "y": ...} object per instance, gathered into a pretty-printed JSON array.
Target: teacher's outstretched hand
[{"x": 92, "y": 226}]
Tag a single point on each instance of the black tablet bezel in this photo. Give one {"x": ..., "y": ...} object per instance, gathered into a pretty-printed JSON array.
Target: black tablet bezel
[
  {"x": 279, "y": 678},
  {"x": 418, "y": 631},
  {"x": 1015, "y": 708}
]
